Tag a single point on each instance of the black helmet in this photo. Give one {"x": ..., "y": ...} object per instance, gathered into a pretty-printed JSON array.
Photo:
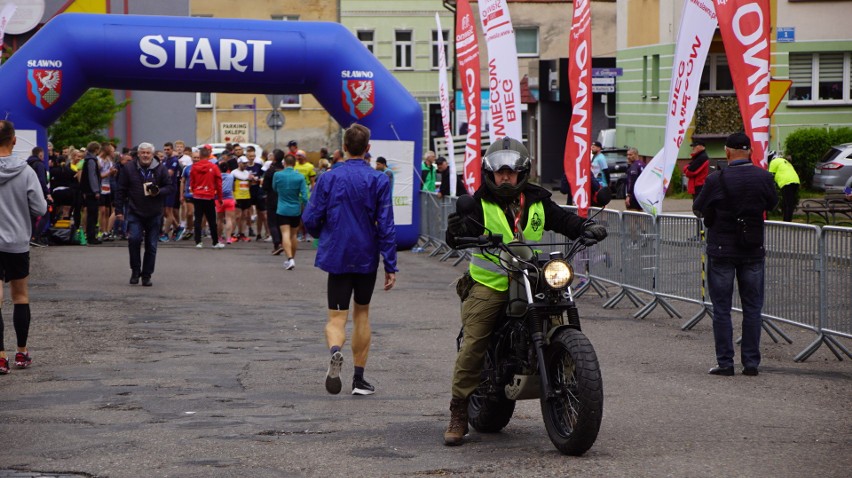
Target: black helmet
[{"x": 506, "y": 153}]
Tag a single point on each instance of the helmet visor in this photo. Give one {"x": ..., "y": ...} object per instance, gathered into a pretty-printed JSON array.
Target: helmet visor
[{"x": 504, "y": 159}]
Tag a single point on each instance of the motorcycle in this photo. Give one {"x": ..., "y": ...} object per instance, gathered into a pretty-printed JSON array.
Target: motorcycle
[{"x": 537, "y": 349}]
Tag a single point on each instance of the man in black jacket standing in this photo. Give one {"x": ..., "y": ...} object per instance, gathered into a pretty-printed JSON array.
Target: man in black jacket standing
[
  {"x": 733, "y": 202},
  {"x": 90, "y": 186},
  {"x": 143, "y": 184}
]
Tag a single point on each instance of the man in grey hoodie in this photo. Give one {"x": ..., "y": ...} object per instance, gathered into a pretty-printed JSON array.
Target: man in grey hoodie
[{"x": 22, "y": 197}]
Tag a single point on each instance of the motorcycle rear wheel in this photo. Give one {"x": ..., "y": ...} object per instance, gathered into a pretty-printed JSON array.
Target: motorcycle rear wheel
[
  {"x": 573, "y": 417},
  {"x": 489, "y": 413}
]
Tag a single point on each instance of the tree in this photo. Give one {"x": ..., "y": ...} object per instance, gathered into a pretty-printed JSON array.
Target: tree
[{"x": 86, "y": 120}]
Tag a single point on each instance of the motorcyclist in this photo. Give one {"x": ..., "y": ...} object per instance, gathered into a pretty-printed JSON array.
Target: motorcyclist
[{"x": 506, "y": 203}]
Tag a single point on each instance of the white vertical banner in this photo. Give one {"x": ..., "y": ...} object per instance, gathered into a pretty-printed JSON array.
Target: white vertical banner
[
  {"x": 5, "y": 17},
  {"x": 697, "y": 26},
  {"x": 443, "y": 92},
  {"x": 503, "y": 82}
]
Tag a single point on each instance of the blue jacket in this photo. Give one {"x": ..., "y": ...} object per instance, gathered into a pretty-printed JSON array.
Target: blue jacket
[
  {"x": 292, "y": 191},
  {"x": 351, "y": 213}
]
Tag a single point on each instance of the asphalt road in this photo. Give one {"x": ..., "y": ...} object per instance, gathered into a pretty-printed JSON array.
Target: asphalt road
[{"x": 218, "y": 370}]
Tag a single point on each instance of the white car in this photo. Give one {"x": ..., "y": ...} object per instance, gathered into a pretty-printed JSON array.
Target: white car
[{"x": 219, "y": 147}]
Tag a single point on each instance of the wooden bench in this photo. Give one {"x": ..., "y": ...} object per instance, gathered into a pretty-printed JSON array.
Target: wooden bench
[{"x": 827, "y": 209}]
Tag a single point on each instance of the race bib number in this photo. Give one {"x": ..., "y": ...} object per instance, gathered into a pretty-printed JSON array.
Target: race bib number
[{"x": 105, "y": 189}]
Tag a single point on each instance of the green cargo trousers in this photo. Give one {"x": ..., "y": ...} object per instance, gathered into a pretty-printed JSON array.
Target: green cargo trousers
[{"x": 479, "y": 314}]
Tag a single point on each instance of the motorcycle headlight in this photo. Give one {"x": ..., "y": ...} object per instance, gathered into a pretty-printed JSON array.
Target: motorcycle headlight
[{"x": 558, "y": 274}]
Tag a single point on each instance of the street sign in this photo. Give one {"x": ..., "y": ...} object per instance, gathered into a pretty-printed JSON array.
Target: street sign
[
  {"x": 244, "y": 106},
  {"x": 275, "y": 100},
  {"x": 603, "y": 88},
  {"x": 785, "y": 34},
  {"x": 275, "y": 120},
  {"x": 606, "y": 72},
  {"x": 607, "y": 80}
]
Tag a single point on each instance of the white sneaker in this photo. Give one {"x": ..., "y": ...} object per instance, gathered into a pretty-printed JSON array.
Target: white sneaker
[
  {"x": 219, "y": 245},
  {"x": 291, "y": 264},
  {"x": 199, "y": 246},
  {"x": 268, "y": 239}
]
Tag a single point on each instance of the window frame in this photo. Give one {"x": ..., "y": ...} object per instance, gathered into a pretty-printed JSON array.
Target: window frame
[
  {"x": 371, "y": 44},
  {"x": 846, "y": 80},
  {"x": 201, "y": 104},
  {"x": 290, "y": 106},
  {"x": 403, "y": 44},
  {"x": 433, "y": 49},
  {"x": 284, "y": 18},
  {"x": 537, "y": 41},
  {"x": 712, "y": 65},
  {"x": 655, "y": 76}
]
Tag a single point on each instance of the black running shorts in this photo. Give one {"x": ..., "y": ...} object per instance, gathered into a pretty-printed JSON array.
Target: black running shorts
[
  {"x": 341, "y": 287},
  {"x": 14, "y": 266}
]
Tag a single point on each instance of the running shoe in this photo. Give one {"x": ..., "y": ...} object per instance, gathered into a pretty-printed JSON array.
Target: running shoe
[
  {"x": 4, "y": 366},
  {"x": 187, "y": 235},
  {"x": 362, "y": 387},
  {"x": 219, "y": 245},
  {"x": 332, "y": 377},
  {"x": 179, "y": 234},
  {"x": 278, "y": 250},
  {"x": 164, "y": 238},
  {"x": 199, "y": 245},
  {"x": 23, "y": 359},
  {"x": 290, "y": 264}
]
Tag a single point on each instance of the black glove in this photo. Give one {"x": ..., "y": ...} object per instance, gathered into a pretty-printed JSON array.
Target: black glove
[
  {"x": 456, "y": 226},
  {"x": 595, "y": 231}
]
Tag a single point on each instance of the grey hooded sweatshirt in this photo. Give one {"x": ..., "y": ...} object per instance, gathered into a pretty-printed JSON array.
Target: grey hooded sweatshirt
[{"x": 20, "y": 197}]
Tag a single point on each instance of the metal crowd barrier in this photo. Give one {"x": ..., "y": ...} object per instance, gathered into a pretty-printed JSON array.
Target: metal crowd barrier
[{"x": 808, "y": 269}]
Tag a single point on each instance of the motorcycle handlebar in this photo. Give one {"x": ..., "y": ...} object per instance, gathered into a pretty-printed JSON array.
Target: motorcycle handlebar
[{"x": 481, "y": 241}]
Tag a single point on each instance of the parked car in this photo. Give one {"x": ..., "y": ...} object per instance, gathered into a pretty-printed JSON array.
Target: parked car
[
  {"x": 834, "y": 169},
  {"x": 616, "y": 159}
]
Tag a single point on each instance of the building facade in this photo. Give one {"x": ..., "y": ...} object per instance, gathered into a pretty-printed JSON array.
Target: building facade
[
  {"x": 305, "y": 120},
  {"x": 810, "y": 45}
]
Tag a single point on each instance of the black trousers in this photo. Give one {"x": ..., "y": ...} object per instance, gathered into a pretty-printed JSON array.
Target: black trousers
[
  {"x": 272, "y": 222},
  {"x": 205, "y": 208},
  {"x": 788, "y": 201},
  {"x": 90, "y": 201}
]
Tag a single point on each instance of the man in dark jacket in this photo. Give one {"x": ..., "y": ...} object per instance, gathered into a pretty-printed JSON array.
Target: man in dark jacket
[
  {"x": 39, "y": 224},
  {"x": 733, "y": 202},
  {"x": 143, "y": 184},
  {"x": 506, "y": 204},
  {"x": 90, "y": 187}
]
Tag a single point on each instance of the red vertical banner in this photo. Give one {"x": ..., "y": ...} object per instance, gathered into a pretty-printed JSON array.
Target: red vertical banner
[
  {"x": 744, "y": 25},
  {"x": 467, "y": 60},
  {"x": 577, "y": 161}
]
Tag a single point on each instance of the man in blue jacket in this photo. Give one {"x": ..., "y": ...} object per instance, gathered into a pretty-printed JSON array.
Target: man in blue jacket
[
  {"x": 142, "y": 187},
  {"x": 351, "y": 213}
]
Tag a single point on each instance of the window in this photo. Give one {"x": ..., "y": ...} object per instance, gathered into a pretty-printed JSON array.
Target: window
[
  {"x": 402, "y": 49},
  {"x": 821, "y": 77},
  {"x": 644, "y": 77},
  {"x": 526, "y": 41},
  {"x": 655, "y": 77},
  {"x": 435, "y": 56},
  {"x": 203, "y": 100},
  {"x": 716, "y": 77},
  {"x": 291, "y": 101},
  {"x": 367, "y": 38},
  {"x": 286, "y": 18}
]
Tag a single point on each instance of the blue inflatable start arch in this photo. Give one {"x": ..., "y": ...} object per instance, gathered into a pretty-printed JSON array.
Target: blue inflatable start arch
[{"x": 75, "y": 52}]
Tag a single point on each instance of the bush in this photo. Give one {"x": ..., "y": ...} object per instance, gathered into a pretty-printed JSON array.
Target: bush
[
  {"x": 676, "y": 185},
  {"x": 805, "y": 147}
]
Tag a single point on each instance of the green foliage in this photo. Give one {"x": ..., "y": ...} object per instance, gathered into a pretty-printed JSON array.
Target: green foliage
[
  {"x": 676, "y": 183},
  {"x": 86, "y": 120},
  {"x": 805, "y": 147},
  {"x": 717, "y": 115}
]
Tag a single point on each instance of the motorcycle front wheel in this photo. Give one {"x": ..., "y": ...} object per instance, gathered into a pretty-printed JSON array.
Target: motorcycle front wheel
[
  {"x": 489, "y": 412},
  {"x": 573, "y": 417}
]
